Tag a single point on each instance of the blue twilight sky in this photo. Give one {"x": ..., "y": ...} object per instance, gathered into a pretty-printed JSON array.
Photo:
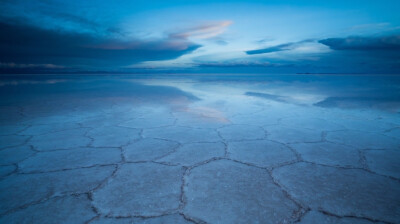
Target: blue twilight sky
[{"x": 341, "y": 36}]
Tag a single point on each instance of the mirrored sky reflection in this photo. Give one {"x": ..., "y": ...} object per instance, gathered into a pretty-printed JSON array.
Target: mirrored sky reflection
[
  {"x": 197, "y": 93},
  {"x": 209, "y": 36}
]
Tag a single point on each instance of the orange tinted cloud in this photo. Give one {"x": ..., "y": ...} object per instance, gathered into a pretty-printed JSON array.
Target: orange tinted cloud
[{"x": 204, "y": 31}]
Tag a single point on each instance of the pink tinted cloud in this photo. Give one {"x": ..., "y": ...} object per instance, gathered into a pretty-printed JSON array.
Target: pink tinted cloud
[{"x": 204, "y": 31}]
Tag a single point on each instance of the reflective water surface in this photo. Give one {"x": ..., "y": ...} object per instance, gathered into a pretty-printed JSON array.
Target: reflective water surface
[{"x": 199, "y": 148}]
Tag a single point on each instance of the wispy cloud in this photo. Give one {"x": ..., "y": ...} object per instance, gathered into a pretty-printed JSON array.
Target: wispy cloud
[
  {"x": 280, "y": 47},
  {"x": 204, "y": 31},
  {"x": 370, "y": 26},
  {"x": 264, "y": 40}
]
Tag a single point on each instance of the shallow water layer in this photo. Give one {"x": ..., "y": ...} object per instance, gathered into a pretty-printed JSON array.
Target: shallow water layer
[{"x": 200, "y": 148}]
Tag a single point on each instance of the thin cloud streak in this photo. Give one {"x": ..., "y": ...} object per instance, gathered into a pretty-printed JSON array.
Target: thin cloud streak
[{"x": 277, "y": 48}]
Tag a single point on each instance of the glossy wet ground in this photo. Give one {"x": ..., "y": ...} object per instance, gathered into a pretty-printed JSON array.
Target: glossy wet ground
[{"x": 188, "y": 150}]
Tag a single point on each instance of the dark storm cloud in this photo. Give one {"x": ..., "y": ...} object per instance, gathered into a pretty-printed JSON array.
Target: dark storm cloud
[
  {"x": 379, "y": 54},
  {"x": 280, "y": 47},
  {"x": 354, "y": 54},
  {"x": 355, "y": 43},
  {"x": 81, "y": 22},
  {"x": 26, "y": 44},
  {"x": 74, "y": 18}
]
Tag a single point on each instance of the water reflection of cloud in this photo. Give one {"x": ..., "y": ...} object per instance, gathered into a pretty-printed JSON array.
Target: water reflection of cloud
[
  {"x": 89, "y": 92},
  {"x": 277, "y": 98},
  {"x": 205, "y": 95},
  {"x": 387, "y": 103},
  {"x": 296, "y": 98},
  {"x": 208, "y": 113}
]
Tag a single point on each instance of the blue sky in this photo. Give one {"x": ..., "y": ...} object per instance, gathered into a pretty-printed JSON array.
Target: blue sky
[{"x": 352, "y": 36}]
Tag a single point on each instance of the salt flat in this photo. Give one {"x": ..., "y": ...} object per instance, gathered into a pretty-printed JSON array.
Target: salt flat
[{"x": 200, "y": 149}]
